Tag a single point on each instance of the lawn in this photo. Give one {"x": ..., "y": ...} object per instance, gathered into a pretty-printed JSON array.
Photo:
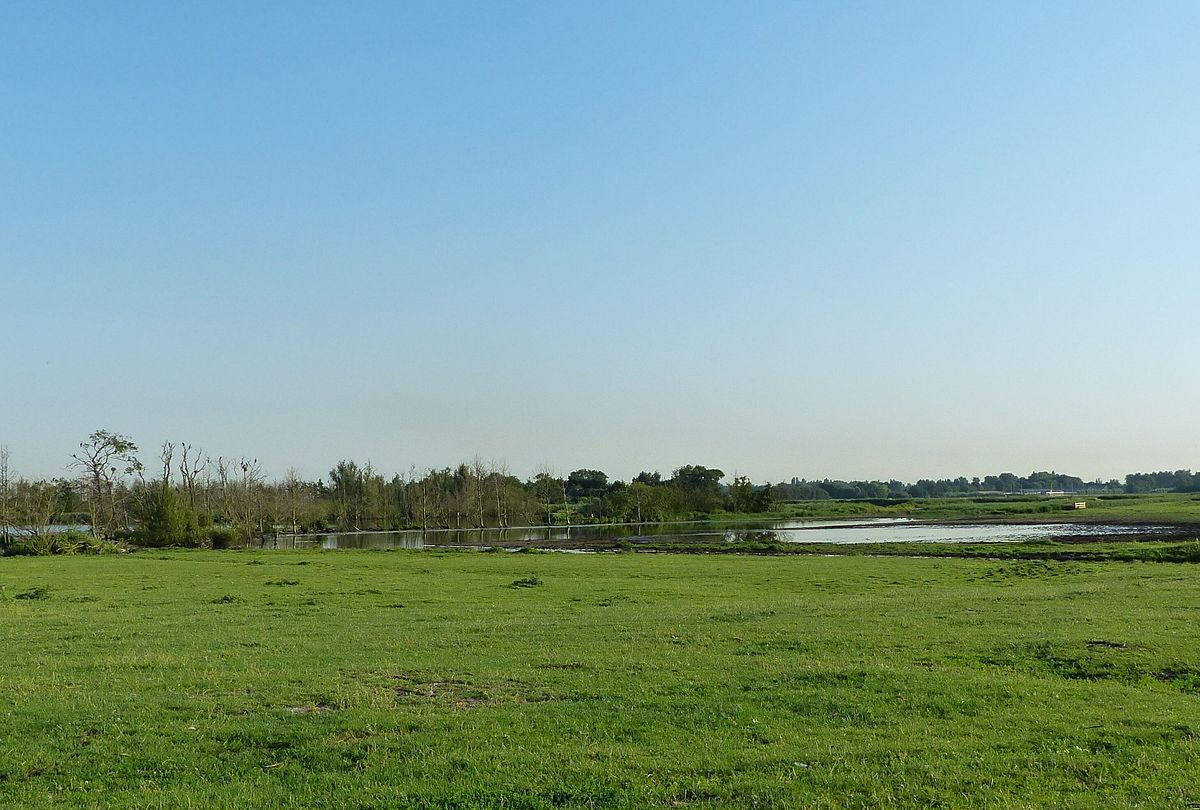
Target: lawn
[{"x": 470, "y": 679}]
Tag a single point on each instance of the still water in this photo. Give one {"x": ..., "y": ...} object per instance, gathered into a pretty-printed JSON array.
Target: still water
[{"x": 598, "y": 537}]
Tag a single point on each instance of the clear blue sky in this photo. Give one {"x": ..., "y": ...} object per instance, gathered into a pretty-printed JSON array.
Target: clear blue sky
[{"x": 841, "y": 239}]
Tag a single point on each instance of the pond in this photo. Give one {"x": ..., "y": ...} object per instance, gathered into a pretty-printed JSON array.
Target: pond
[{"x": 599, "y": 537}]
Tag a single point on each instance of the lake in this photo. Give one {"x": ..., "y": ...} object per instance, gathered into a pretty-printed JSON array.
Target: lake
[{"x": 599, "y": 537}]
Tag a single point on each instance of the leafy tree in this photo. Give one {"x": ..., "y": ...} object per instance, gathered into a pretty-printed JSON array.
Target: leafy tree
[
  {"x": 699, "y": 487},
  {"x": 549, "y": 490},
  {"x": 741, "y": 492},
  {"x": 641, "y": 503},
  {"x": 348, "y": 494},
  {"x": 764, "y": 499},
  {"x": 586, "y": 484},
  {"x": 748, "y": 498}
]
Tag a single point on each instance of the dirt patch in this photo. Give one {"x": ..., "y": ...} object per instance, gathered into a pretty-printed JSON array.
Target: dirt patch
[{"x": 464, "y": 694}]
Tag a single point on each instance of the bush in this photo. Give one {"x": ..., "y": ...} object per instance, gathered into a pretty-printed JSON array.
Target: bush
[
  {"x": 166, "y": 519},
  {"x": 38, "y": 545},
  {"x": 71, "y": 541},
  {"x": 220, "y": 537}
]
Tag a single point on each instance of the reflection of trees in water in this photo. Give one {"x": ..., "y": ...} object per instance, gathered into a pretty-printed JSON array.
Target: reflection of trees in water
[
  {"x": 751, "y": 536},
  {"x": 601, "y": 537}
]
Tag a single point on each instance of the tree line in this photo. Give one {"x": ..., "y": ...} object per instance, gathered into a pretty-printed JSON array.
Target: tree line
[
  {"x": 799, "y": 489},
  {"x": 1043, "y": 482},
  {"x": 187, "y": 497}
]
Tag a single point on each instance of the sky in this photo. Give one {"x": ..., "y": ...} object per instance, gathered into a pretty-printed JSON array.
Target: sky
[{"x": 846, "y": 240}]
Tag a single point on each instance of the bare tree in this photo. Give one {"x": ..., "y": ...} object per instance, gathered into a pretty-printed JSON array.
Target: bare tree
[
  {"x": 35, "y": 503},
  {"x": 292, "y": 487},
  {"x": 425, "y": 499},
  {"x": 149, "y": 491},
  {"x": 252, "y": 478},
  {"x": 479, "y": 472},
  {"x": 6, "y": 482},
  {"x": 166, "y": 455},
  {"x": 498, "y": 473},
  {"x": 191, "y": 465},
  {"x": 410, "y": 485},
  {"x": 374, "y": 502},
  {"x": 566, "y": 506},
  {"x": 398, "y": 501},
  {"x": 103, "y": 458},
  {"x": 546, "y": 487},
  {"x": 223, "y": 482}
]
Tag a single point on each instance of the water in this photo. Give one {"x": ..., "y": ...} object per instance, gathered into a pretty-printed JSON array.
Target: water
[
  {"x": 53, "y": 528},
  {"x": 575, "y": 538}
]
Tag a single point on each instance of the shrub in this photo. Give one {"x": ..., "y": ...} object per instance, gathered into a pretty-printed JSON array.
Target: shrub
[
  {"x": 166, "y": 519},
  {"x": 71, "y": 541},
  {"x": 220, "y": 537},
  {"x": 37, "y": 545}
]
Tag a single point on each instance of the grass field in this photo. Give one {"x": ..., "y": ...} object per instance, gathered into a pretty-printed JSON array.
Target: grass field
[{"x": 373, "y": 679}]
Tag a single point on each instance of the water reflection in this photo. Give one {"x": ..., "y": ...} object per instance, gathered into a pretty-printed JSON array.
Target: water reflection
[{"x": 599, "y": 537}]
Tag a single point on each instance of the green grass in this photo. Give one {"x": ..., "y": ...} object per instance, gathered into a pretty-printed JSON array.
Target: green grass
[
  {"x": 1182, "y": 549},
  {"x": 1159, "y": 508},
  {"x": 422, "y": 679}
]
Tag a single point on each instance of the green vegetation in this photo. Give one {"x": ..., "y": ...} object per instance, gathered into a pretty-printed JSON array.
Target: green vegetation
[
  {"x": 1172, "y": 508},
  {"x": 70, "y": 541},
  {"x": 1175, "y": 550},
  {"x": 198, "y": 501},
  {"x": 422, "y": 679}
]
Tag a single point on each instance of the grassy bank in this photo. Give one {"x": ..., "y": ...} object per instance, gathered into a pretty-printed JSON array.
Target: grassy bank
[
  {"x": 1159, "y": 508},
  {"x": 359, "y": 679},
  {"x": 1062, "y": 550}
]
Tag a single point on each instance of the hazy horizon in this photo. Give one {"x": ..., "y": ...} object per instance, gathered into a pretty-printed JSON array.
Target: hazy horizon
[
  {"x": 148, "y": 454},
  {"x": 781, "y": 239}
]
